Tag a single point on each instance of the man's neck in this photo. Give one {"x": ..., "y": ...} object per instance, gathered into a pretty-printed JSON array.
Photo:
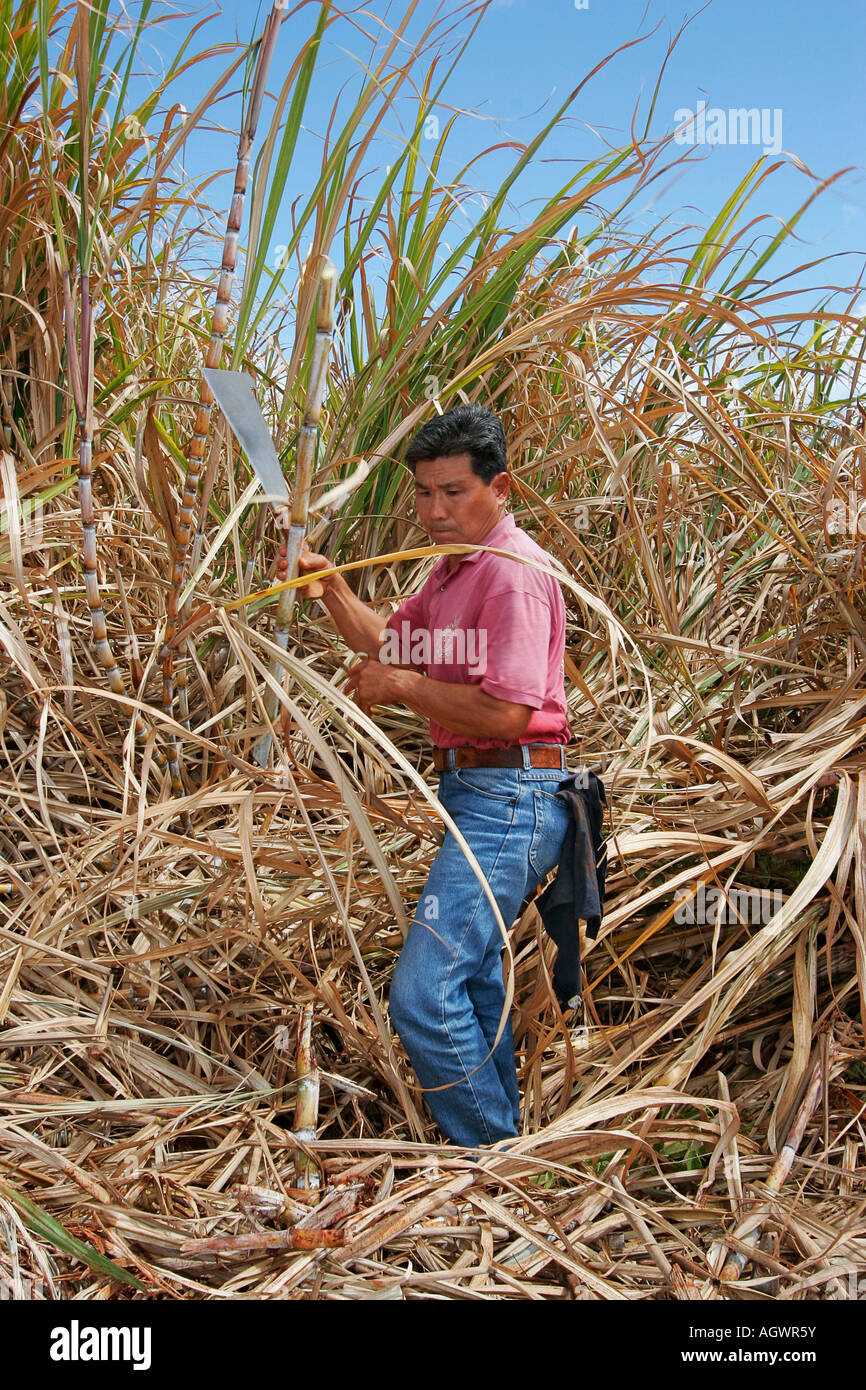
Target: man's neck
[{"x": 454, "y": 560}]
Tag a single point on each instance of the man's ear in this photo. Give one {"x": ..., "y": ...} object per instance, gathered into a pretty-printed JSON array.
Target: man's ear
[{"x": 501, "y": 485}]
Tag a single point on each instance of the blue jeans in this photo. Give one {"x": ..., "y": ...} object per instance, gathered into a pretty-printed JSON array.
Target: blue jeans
[{"x": 447, "y": 994}]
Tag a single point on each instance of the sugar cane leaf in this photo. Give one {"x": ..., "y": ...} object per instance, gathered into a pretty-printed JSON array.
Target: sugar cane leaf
[{"x": 42, "y": 1223}]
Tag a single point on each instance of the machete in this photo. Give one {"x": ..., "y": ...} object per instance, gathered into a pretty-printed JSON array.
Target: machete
[
  {"x": 235, "y": 395},
  {"x": 236, "y": 398}
]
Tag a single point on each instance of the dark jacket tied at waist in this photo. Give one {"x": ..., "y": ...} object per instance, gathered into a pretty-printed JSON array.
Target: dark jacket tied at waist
[{"x": 577, "y": 891}]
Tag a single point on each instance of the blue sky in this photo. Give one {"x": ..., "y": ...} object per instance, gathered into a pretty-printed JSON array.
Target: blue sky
[{"x": 800, "y": 63}]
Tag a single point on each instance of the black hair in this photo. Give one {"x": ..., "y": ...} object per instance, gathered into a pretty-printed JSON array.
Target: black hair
[{"x": 467, "y": 429}]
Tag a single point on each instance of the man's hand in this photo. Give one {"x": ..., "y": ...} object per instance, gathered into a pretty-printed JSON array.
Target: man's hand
[
  {"x": 464, "y": 709},
  {"x": 308, "y": 563},
  {"x": 359, "y": 625},
  {"x": 371, "y": 683}
]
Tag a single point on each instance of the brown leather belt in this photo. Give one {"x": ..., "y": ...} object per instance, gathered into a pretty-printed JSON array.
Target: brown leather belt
[{"x": 540, "y": 755}]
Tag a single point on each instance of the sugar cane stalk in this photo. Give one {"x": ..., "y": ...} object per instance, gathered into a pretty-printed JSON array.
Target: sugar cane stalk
[
  {"x": 80, "y": 360},
  {"x": 294, "y": 539},
  {"x": 219, "y": 326},
  {"x": 307, "y": 1103},
  {"x": 80, "y": 366}
]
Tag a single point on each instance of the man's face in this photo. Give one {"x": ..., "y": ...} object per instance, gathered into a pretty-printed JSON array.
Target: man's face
[{"x": 453, "y": 504}]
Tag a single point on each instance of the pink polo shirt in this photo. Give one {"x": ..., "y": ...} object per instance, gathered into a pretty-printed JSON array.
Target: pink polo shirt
[{"x": 494, "y": 623}]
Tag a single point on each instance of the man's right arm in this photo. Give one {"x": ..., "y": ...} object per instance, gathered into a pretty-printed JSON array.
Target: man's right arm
[{"x": 357, "y": 624}]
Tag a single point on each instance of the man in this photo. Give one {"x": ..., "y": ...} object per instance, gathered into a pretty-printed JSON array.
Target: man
[{"x": 481, "y": 650}]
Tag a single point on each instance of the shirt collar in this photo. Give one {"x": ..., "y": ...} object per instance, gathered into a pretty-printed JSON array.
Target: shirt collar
[{"x": 494, "y": 537}]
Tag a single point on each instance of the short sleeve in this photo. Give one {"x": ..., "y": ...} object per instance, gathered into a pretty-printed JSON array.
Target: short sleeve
[
  {"x": 413, "y": 610},
  {"x": 517, "y": 628}
]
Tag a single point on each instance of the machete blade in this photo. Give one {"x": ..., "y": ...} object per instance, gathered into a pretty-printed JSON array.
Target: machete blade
[{"x": 236, "y": 398}]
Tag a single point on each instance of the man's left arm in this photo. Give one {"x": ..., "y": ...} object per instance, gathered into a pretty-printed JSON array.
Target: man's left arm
[{"x": 464, "y": 709}]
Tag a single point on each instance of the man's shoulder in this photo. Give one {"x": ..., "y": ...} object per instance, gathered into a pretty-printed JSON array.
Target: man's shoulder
[
  {"x": 522, "y": 577},
  {"x": 524, "y": 544}
]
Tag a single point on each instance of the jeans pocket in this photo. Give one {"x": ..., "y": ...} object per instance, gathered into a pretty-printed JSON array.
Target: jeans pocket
[
  {"x": 496, "y": 783},
  {"x": 551, "y": 822},
  {"x": 551, "y": 796}
]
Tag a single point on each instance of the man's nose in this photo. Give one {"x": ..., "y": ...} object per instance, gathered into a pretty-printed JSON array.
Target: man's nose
[{"x": 438, "y": 509}]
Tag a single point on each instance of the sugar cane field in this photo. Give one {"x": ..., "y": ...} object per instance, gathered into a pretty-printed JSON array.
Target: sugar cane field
[{"x": 210, "y": 854}]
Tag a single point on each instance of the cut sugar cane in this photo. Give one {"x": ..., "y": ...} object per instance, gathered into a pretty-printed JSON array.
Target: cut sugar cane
[{"x": 307, "y": 1106}]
